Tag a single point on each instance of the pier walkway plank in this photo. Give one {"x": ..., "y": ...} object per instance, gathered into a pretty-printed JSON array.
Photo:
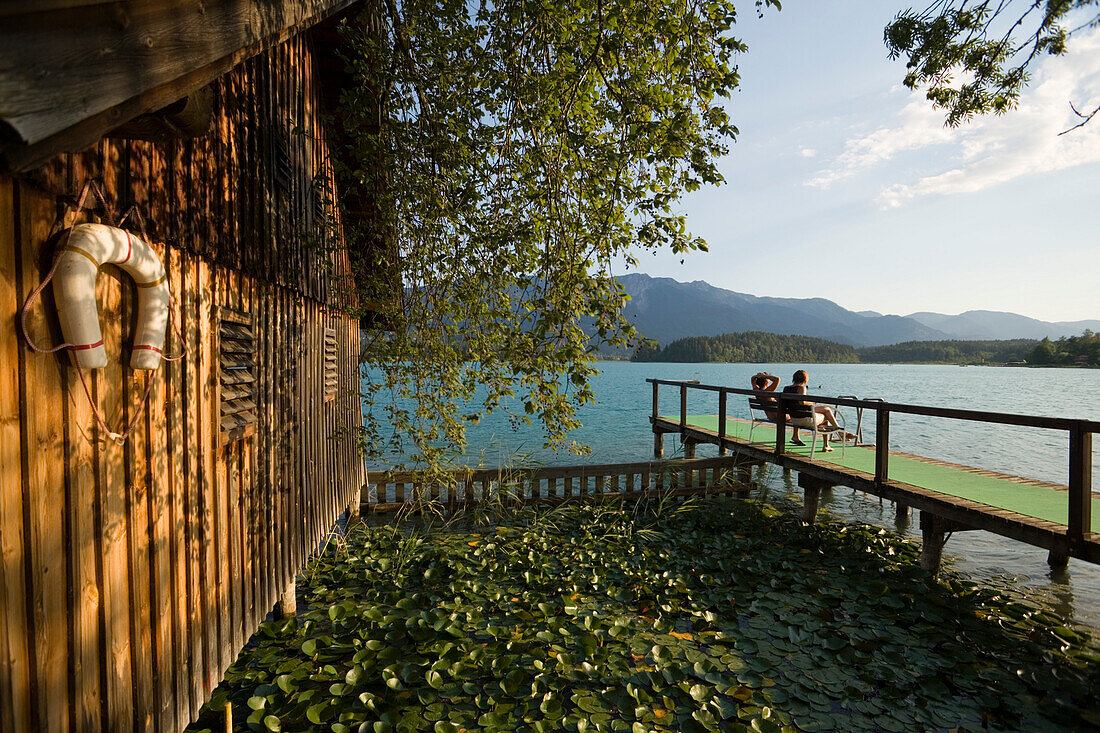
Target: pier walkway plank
[{"x": 1029, "y": 497}]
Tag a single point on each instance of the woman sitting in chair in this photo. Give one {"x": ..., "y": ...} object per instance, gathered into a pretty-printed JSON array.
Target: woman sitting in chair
[{"x": 823, "y": 414}]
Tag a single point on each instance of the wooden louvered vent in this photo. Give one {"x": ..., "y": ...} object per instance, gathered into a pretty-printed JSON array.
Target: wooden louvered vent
[
  {"x": 330, "y": 364},
  {"x": 238, "y": 374}
]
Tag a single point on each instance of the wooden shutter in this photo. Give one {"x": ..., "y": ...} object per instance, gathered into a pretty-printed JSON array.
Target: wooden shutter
[
  {"x": 237, "y": 361},
  {"x": 330, "y": 380}
]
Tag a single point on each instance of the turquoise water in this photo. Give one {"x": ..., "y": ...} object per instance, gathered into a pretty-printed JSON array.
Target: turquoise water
[{"x": 616, "y": 427}]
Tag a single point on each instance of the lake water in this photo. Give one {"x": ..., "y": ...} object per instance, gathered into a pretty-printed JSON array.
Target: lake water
[{"x": 616, "y": 427}]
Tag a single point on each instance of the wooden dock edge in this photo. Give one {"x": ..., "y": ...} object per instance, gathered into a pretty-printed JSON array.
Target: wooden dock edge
[{"x": 962, "y": 512}]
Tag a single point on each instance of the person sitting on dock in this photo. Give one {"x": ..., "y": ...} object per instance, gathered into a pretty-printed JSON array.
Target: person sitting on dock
[
  {"x": 822, "y": 413},
  {"x": 764, "y": 382}
]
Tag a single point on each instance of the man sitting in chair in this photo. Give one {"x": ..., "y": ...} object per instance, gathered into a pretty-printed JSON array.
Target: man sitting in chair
[
  {"x": 764, "y": 382},
  {"x": 823, "y": 414}
]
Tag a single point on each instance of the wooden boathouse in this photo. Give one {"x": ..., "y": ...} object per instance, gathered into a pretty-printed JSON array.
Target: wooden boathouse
[
  {"x": 950, "y": 497},
  {"x": 131, "y": 575}
]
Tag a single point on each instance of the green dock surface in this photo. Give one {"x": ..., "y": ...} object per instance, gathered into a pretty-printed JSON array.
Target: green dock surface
[{"x": 1004, "y": 492}]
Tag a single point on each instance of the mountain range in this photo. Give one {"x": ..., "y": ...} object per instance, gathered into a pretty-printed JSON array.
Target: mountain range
[{"x": 665, "y": 309}]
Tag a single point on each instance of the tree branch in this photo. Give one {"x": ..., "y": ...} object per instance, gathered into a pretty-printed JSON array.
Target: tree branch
[{"x": 1084, "y": 118}]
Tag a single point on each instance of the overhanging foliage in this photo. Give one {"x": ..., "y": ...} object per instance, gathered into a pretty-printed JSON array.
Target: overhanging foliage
[
  {"x": 514, "y": 151},
  {"x": 974, "y": 56}
]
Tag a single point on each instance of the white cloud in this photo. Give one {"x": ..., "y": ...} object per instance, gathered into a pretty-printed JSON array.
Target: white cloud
[
  {"x": 990, "y": 150},
  {"x": 808, "y": 152}
]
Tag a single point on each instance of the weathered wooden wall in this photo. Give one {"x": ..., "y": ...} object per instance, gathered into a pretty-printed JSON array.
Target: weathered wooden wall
[{"x": 131, "y": 576}]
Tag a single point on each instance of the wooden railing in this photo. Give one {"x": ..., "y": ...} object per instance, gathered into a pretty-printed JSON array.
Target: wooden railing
[
  {"x": 464, "y": 487},
  {"x": 1079, "y": 432}
]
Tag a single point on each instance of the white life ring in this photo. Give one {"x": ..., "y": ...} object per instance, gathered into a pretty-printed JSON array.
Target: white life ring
[{"x": 88, "y": 248}]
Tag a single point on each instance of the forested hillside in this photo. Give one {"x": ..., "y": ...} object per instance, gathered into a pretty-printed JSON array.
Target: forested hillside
[
  {"x": 760, "y": 347},
  {"x": 752, "y": 346},
  {"x": 1083, "y": 349},
  {"x": 949, "y": 352}
]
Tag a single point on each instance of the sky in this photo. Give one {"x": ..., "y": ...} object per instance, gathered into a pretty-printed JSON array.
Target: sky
[{"x": 843, "y": 184}]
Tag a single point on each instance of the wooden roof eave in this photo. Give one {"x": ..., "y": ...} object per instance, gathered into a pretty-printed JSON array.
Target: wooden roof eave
[{"x": 72, "y": 70}]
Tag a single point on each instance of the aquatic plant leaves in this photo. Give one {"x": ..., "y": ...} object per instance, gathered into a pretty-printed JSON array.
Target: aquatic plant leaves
[{"x": 573, "y": 619}]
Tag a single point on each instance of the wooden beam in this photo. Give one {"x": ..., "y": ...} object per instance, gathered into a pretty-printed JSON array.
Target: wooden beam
[
  {"x": 812, "y": 488},
  {"x": 137, "y": 57},
  {"x": 683, "y": 407},
  {"x": 288, "y": 601},
  {"x": 721, "y": 423},
  {"x": 934, "y": 537},
  {"x": 1080, "y": 483},
  {"x": 882, "y": 445}
]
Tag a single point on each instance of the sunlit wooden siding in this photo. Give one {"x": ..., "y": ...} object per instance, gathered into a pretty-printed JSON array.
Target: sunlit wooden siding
[{"x": 131, "y": 576}]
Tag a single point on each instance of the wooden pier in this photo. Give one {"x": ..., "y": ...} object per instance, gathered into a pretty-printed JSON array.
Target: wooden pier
[{"x": 950, "y": 497}]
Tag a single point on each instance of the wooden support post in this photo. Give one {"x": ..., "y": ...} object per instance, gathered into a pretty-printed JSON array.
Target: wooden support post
[
  {"x": 656, "y": 401},
  {"x": 1080, "y": 484},
  {"x": 353, "y": 505},
  {"x": 932, "y": 548},
  {"x": 882, "y": 446},
  {"x": 781, "y": 429},
  {"x": 288, "y": 602},
  {"x": 811, "y": 488},
  {"x": 683, "y": 407},
  {"x": 901, "y": 511},
  {"x": 658, "y": 444},
  {"x": 689, "y": 448},
  {"x": 934, "y": 530},
  {"x": 722, "y": 423},
  {"x": 1058, "y": 557},
  {"x": 744, "y": 479}
]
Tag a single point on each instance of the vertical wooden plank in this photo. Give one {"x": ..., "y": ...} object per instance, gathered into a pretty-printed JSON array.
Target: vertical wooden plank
[
  {"x": 261, "y": 464},
  {"x": 683, "y": 407},
  {"x": 250, "y": 528},
  {"x": 1080, "y": 483},
  {"x": 228, "y": 480},
  {"x": 44, "y": 479},
  {"x": 206, "y": 424},
  {"x": 177, "y": 446},
  {"x": 113, "y": 517},
  {"x": 273, "y": 494},
  {"x": 165, "y": 664},
  {"x": 193, "y": 391},
  {"x": 882, "y": 445},
  {"x": 15, "y": 673},
  {"x": 722, "y": 399},
  {"x": 238, "y": 503},
  {"x": 137, "y": 480},
  {"x": 284, "y": 426},
  {"x": 220, "y": 502},
  {"x": 86, "y": 548},
  {"x": 309, "y": 419}
]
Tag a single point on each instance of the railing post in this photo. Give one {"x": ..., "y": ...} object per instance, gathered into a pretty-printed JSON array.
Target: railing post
[
  {"x": 722, "y": 423},
  {"x": 683, "y": 407},
  {"x": 882, "y": 445},
  {"x": 780, "y": 427},
  {"x": 1080, "y": 483},
  {"x": 658, "y": 437}
]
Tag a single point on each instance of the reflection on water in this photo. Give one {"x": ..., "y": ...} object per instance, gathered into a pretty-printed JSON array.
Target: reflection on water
[{"x": 617, "y": 429}]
